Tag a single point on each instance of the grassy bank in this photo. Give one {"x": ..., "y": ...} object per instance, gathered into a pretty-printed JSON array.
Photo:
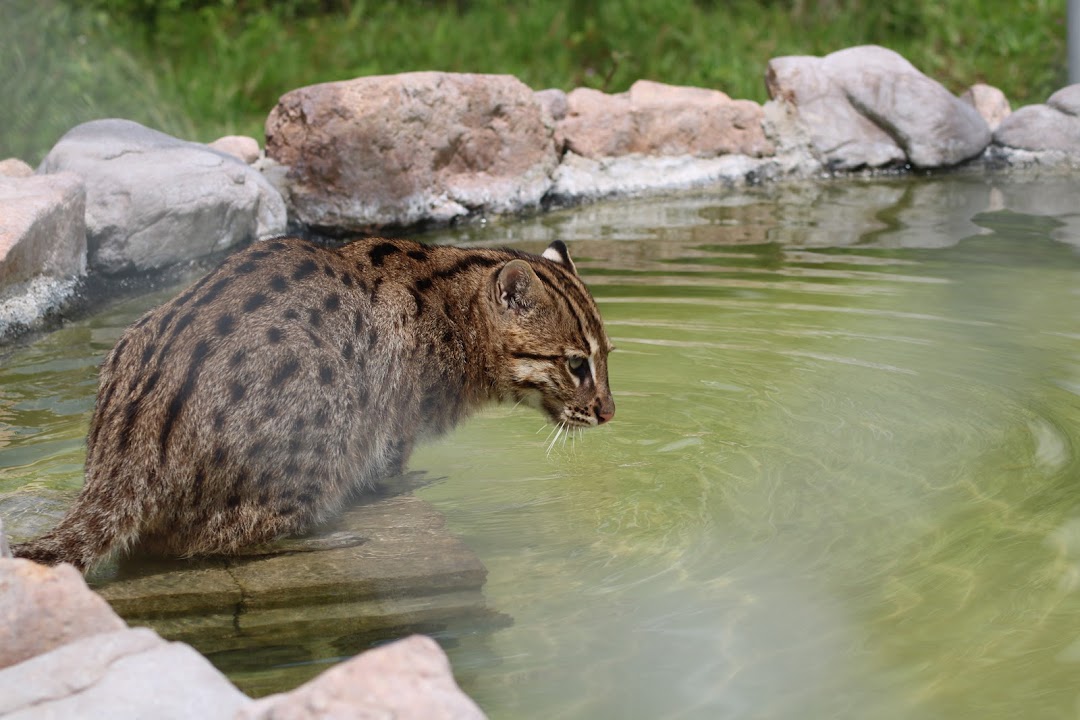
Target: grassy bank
[{"x": 203, "y": 68}]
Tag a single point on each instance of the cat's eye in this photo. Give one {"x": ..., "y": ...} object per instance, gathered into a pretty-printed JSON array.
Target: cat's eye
[{"x": 579, "y": 366}]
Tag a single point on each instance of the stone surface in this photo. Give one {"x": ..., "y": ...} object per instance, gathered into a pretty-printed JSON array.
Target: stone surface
[
  {"x": 5, "y": 549},
  {"x": 417, "y": 147},
  {"x": 410, "y": 678},
  {"x": 153, "y": 200},
  {"x": 1053, "y": 127},
  {"x": 869, "y": 107},
  {"x": 42, "y": 247},
  {"x": 662, "y": 120},
  {"x": 989, "y": 102},
  {"x": 42, "y": 608},
  {"x": 553, "y": 101},
  {"x": 14, "y": 167},
  {"x": 120, "y": 674},
  {"x": 239, "y": 146},
  {"x": 42, "y": 230}
]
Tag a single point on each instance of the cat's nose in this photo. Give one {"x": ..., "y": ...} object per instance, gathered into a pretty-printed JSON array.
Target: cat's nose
[{"x": 605, "y": 410}]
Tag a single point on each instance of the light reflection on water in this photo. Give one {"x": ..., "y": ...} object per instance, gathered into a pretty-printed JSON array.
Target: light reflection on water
[{"x": 841, "y": 482}]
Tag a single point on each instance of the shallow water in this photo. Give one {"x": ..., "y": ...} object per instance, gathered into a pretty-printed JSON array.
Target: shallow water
[{"x": 842, "y": 480}]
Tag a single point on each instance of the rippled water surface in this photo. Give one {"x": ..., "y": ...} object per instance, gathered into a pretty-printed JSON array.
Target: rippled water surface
[{"x": 842, "y": 481}]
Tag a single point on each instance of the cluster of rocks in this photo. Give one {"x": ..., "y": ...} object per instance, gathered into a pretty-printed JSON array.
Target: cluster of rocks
[
  {"x": 65, "y": 653},
  {"x": 393, "y": 152}
]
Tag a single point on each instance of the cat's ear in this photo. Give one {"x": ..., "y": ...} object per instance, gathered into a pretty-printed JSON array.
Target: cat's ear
[
  {"x": 557, "y": 252},
  {"x": 517, "y": 286}
]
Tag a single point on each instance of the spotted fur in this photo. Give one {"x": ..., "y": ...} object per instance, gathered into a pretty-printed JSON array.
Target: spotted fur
[{"x": 293, "y": 376}]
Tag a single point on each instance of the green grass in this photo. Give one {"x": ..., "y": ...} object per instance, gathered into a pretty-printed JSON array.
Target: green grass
[{"x": 204, "y": 68}]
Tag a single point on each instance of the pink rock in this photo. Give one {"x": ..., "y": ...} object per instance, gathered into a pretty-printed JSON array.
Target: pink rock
[
  {"x": 989, "y": 102},
  {"x": 401, "y": 149},
  {"x": 239, "y": 146},
  {"x": 14, "y": 167},
  {"x": 663, "y": 120},
  {"x": 42, "y": 608},
  {"x": 408, "y": 679},
  {"x": 42, "y": 227}
]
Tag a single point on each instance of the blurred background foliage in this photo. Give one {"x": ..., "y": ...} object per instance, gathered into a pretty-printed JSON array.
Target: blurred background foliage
[{"x": 199, "y": 69}]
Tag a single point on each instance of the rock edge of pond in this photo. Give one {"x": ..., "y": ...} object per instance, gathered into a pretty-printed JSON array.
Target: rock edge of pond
[{"x": 396, "y": 153}]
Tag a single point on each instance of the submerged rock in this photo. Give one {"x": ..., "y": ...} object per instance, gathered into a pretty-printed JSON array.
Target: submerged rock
[
  {"x": 153, "y": 200},
  {"x": 410, "y": 678},
  {"x": 42, "y": 246},
  {"x": 869, "y": 107},
  {"x": 417, "y": 147}
]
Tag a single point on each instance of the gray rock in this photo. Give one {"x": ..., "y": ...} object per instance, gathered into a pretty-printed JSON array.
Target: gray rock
[
  {"x": 42, "y": 246},
  {"x": 553, "y": 101},
  {"x": 408, "y": 679},
  {"x": 869, "y": 107},
  {"x": 5, "y": 550},
  {"x": 239, "y": 146},
  {"x": 154, "y": 200},
  {"x": 42, "y": 608},
  {"x": 14, "y": 167},
  {"x": 1040, "y": 128},
  {"x": 1067, "y": 100},
  {"x": 989, "y": 102},
  {"x": 411, "y": 148},
  {"x": 127, "y": 673},
  {"x": 1050, "y": 129}
]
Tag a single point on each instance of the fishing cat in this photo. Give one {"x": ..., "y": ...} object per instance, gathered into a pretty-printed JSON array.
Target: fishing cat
[{"x": 255, "y": 403}]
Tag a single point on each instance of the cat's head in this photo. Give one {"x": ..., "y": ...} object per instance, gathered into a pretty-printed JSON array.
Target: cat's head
[{"x": 555, "y": 345}]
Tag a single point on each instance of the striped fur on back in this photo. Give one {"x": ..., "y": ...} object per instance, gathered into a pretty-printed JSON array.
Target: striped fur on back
[{"x": 257, "y": 401}]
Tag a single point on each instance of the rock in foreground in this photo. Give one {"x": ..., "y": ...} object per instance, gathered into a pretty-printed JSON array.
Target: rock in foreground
[{"x": 407, "y": 679}]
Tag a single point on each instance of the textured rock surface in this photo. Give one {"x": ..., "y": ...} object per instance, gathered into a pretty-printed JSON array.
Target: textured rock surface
[
  {"x": 153, "y": 200},
  {"x": 1053, "y": 127},
  {"x": 989, "y": 102},
  {"x": 239, "y": 146},
  {"x": 42, "y": 230},
  {"x": 869, "y": 107},
  {"x": 410, "y": 678},
  {"x": 120, "y": 674},
  {"x": 416, "y": 147},
  {"x": 42, "y": 246},
  {"x": 42, "y": 608},
  {"x": 14, "y": 167},
  {"x": 656, "y": 119}
]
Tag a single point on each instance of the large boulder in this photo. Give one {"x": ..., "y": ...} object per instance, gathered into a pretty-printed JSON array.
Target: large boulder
[
  {"x": 417, "y": 147},
  {"x": 122, "y": 674},
  {"x": 1053, "y": 127},
  {"x": 42, "y": 246},
  {"x": 410, "y": 678},
  {"x": 869, "y": 107},
  {"x": 662, "y": 120},
  {"x": 153, "y": 200}
]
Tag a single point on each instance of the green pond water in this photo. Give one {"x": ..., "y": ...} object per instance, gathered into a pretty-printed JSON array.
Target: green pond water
[{"x": 843, "y": 479}]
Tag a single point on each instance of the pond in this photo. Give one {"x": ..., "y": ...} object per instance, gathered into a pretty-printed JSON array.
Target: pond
[{"x": 843, "y": 479}]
